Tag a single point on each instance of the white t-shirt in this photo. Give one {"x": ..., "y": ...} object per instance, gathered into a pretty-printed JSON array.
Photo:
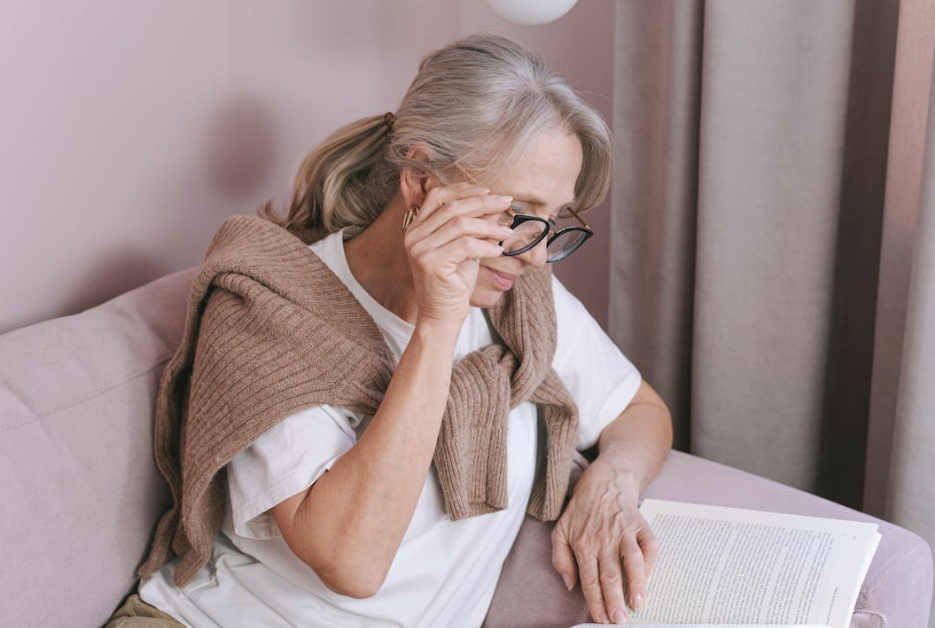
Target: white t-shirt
[{"x": 445, "y": 572}]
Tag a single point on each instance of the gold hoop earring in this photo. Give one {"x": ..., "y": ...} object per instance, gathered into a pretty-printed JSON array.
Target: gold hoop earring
[{"x": 411, "y": 214}]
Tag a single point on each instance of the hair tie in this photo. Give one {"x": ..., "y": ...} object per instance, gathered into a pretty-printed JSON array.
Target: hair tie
[{"x": 388, "y": 119}]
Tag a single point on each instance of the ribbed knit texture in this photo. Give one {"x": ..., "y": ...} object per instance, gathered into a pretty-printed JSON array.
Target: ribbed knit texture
[{"x": 270, "y": 330}]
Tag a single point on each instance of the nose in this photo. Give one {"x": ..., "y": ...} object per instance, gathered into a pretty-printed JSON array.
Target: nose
[{"x": 535, "y": 256}]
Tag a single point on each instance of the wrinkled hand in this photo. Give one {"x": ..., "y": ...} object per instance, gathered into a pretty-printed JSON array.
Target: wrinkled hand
[
  {"x": 445, "y": 242},
  {"x": 600, "y": 537}
]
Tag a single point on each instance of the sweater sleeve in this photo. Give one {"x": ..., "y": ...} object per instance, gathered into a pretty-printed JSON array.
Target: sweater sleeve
[
  {"x": 601, "y": 379},
  {"x": 283, "y": 462}
]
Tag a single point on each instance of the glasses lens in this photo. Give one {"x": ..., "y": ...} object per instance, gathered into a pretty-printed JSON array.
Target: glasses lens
[
  {"x": 525, "y": 234},
  {"x": 565, "y": 244}
]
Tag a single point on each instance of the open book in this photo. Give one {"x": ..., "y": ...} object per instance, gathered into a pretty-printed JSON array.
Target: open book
[{"x": 731, "y": 567}]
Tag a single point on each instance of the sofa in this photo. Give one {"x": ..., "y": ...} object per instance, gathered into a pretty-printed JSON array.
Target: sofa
[{"x": 80, "y": 492}]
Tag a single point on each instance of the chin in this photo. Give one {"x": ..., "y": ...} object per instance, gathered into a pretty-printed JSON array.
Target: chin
[{"x": 484, "y": 297}]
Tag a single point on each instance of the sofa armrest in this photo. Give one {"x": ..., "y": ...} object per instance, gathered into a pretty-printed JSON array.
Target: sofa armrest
[{"x": 896, "y": 593}]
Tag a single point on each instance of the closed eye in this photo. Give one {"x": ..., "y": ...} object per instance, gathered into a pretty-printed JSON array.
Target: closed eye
[{"x": 520, "y": 208}]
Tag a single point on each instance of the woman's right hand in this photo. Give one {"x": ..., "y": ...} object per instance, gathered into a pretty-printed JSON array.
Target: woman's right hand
[
  {"x": 348, "y": 526},
  {"x": 452, "y": 232}
]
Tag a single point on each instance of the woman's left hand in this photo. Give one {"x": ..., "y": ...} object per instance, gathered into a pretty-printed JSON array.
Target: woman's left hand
[{"x": 600, "y": 537}]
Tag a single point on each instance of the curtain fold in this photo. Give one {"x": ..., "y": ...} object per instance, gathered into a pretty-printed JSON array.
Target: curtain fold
[
  {"x": 912, "y": 473},
  {"x": 905, "y": 177},
  {"x": 773, "y": 258},
  {"x": 657, "y": 65}
]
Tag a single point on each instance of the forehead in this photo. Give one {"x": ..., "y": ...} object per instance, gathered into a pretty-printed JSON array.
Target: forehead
[{"x": 545, "y": 173}]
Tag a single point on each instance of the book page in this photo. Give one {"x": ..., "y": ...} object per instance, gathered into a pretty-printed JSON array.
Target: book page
[{"x": 729, "y": 566}]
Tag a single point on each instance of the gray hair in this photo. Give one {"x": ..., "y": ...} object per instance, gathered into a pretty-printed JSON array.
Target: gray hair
[{"x": 476, "y": 104}]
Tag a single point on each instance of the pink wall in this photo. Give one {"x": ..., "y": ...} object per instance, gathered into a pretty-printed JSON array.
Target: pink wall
[{"x": 131, "y": 130}]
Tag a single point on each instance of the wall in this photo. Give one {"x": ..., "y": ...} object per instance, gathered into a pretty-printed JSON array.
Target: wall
[{"x": 130, "y": 130}]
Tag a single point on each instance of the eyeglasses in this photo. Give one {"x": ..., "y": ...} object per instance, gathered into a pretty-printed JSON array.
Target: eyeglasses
[{"x": 528, "y": 231}]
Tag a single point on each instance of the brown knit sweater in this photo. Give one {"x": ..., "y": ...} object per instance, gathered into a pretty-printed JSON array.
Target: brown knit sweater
[{"x": 270, "y": 330}]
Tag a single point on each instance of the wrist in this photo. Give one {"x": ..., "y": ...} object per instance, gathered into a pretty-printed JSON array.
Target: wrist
[
  {"x": 437, "y": 330},
  {"x": 623, "y": 474}
]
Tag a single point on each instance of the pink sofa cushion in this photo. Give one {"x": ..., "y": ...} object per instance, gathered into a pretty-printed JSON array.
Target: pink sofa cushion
[{"x": 79, "y": 489}]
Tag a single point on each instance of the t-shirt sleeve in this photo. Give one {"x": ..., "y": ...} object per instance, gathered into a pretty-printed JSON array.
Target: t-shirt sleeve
[
  {"x": 283, "y": 462},
  {"x": 601, "y": 379}
]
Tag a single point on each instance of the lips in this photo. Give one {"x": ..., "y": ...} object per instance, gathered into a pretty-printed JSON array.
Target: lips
[{"x": 503, "y": 281}]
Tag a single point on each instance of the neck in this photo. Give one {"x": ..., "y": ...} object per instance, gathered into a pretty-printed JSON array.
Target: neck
[{"x": 378, "y": 261}]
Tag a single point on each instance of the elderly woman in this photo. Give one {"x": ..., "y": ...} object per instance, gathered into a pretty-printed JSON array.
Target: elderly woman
[{"x": 372, "y": 391}]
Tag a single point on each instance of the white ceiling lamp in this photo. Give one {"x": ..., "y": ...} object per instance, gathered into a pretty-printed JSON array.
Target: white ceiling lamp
[{"x": 531, "y": 11}]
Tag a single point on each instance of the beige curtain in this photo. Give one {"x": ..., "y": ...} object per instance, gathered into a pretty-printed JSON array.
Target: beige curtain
[{"x": 773, "y": 258}]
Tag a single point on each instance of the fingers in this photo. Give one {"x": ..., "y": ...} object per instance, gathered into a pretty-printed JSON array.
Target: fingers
[
  {"x": 601, "y": 576},
  {"x": 613, "y": 575},
  {"x": 441, "y": 205},
  {"x": 458, "y": 240},
  {"x": 611, "y": 578},
  {"x": 591, "y": 587},
  {"x": 638, "y": 551},
  {"x": 442, "y": 195},
  {"x": 650, "y": 546},
  {"x": 633, "y": 561},
  {"x": 439, "y": 259},
  {"x": 451, "y": 225},
  {"x": 602, "y": 588},
  {"x": 563, "y": 559},
  {"x": 459, "y": 227}
]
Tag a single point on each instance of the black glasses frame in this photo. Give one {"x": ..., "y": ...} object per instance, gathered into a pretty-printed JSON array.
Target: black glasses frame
[{"x": 519, "y": 219}]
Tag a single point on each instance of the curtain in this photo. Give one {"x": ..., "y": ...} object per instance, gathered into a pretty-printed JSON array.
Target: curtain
[{"x": 773, "y": 251}]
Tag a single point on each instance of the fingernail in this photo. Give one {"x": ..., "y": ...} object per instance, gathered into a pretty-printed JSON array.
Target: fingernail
[
  {"x": 503, "y": 199},
  {"x": 638, "y": 602},
  {"x": 620, "y": 617},
  {"x": 602, "y": 618},
  {"x": 567, "y": 580}
]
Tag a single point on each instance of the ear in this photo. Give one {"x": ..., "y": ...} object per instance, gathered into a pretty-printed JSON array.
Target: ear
[{"x": 414, "y": 183}]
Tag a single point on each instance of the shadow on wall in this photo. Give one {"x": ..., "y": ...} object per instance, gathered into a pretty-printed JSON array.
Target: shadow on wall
[
  {"x": 241, "y": 146},
  {"x": 239, "y": 150},
  {"x": 112, "y": 274}
]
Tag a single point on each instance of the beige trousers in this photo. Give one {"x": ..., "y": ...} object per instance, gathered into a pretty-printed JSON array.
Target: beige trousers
[{"x": 138, "y": 614}]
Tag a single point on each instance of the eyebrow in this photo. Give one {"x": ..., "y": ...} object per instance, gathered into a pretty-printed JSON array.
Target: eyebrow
[{"x": 532, "y": 200}]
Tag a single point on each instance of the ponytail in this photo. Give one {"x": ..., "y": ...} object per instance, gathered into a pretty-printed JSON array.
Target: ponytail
[{"x": 342, "y": 183}]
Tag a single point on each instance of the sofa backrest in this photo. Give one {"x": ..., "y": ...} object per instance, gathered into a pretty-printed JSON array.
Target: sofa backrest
[{"x": 79, "y": 491}]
